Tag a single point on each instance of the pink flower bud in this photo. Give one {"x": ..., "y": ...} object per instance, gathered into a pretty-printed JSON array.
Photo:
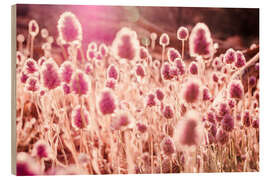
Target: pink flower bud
[
  {"x": 33, "y": 28},
  {"x": 42, "y": 150},
  {"x": 180, "y": 66},
  {"x": 182, "y": 33},
  {"x": 193, "y": 68},
  {"x": 66, "y": 88},
  {"x": 172, "y": 54},
  {"x": 143, "y": 53},
  {"x": 141, "y": 127},
  {"x": 227, "y": 123},
  {"x": 240, "y": 59},
  {"x": 66, "y": 71},
  {"x": 191, "y": 91},
  {"x": 80, "y": 83},
  {"x": 49, "y": 75},
  {"x": 112, "y": 72},
  {"x": 110, "y": 83},
  {"x": 107, "y": 103},
  {"x": 30, "y": 66},
  {"x": 80, "y": 118},
  {"x": 236, "y": 89},
  {"x": 23, "y": 77},
  {"x": 165, "y": 71},
  {"x": 140, "y": 71},
  {"x": 150, "y": 101},
  {"x": 168, "y": 112},
  {"x": 164, "y": 39},
  {"x": 159, "y": 94},
  {"x": 230, "y": 56},
  {"x": 200, "y": 41},
  {"x": 167, "y": 146},
  {"x": 32, "y": 84},
  {"x": 206, "y": 94},
  {"x": 69, "y": 28},
  {"x": 126, "y": 45},
  {"x": 252, "y": 81}
]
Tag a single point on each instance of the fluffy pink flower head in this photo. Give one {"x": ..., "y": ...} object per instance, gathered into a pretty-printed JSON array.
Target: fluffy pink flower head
[
  {"x": 230, "y": 56},
  {"x": 172, "y": 54},
  {"x": 30, "y": 66},
  {"x": 23, "y": 77},
  {"x": 215, "y": 77},
  {"x": 189, "y": 131},
  {"x": 42, "y": 150},
  {"x": 206, "y": 94},
  {"x": 112, "y": 72},
  {"x": 80, "y": 84},
  {"x": 168, "y": 112},
  {"x": 167, "y": 146},
  {"x": 49, "y": 75},
  {"x": 122, "y": 120},
  {"x": 165, "y": 71},
  {"x": 69, "y": 28},
  {"x": 223, "y": 109},
  {"x": 150, "y": 100},
  {"x": 26, "y": 165},
  {"x": 141, "y": 127},
  {"x": 246, "y": 119},
  {"x": 103, "y": 50},
  {"x": 80, "y": 118},
  {"x": 255, "y": 124},
  {"x": 32, "y": 84},
  {"x": 33, "y": 28},
  {"x": 236, "y": 89},
  {"x": 200, "y": 41},
  {"x": 110, "y": 83},
  {"x": 222, "y": 136},
  {"x": 143, "y": 52},
  {"x": 180, "y": 66},
  {"x": 182, "y": 33},
  {"x": 193, "y": 68},
  {"x": 191, "y": 91},
  {"x": 126, "y": 45},
  {"x": 227, "y": 123},
  {"x": 159, "y": 94},
  {"x": 240, "y": 59},
  {"x": 164, "y": 40},
  {"x": 211, "y": 117},
  {"x": 66, "y": 71},
  {"x": 88, "y": 68},
  {"x": 252, "y": 81},
  {"x": 66, "y": 88},
  {"x": 90, "y": 54},
  {"x": 106, "y": 103},
  {"x": 140, "y": 71}
]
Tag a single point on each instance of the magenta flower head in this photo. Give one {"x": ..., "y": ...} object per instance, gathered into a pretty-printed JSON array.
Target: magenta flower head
[
  {"x": 165, "y": 71},
  {"x": 240, "y": 59},
  {"x": 179, "y": 63},
  {"x": 231, "y": 103},
  {"x": 211, "y": 117},
  {"x": 126, "y": 45},
  {"x": 193, "y": 68},
  {"x": 50, "y": 77},
  {"x": 164, "y": 40},
  {"x": 80, "y": 118},
  {"x": 66, "y": 71},
  {"x": 88, "y": 68},
  {"x": 80, "y": 84},
  {"x": 106, "y": 102},
  {"x": 103, "y": 50},
  {"x": 167, "y": 146},
  {"x": 30, "y": 67},
  {"x": 246, "y": 119},
  {"x": 223, "y": 109},
  {"x": 191, "y": 91},
  {"x": 66, "y": 88},
  {"x": 236, "y": 89},
  {"x": 215, "y": 77},
  {"x": 112, "y": 72},
  {"x": 32, "y": 84},
  {"x": 33, "y": 28},
  {"x": 252, "y": 81},
  {"x": 168, "y": 112},
  {"x": 150, "y": 100},
  {"x": 182, "y": 33},
  {"x": 26, "y": 165},
  {"x": 227, "y": 123},
  {"x": 206, "y": 94},
  {"x": 42, "y": 150},
  {"x": 110, "y": 83},
  {"x": 230, "y": 56},
  {"x": 255, "y": 124},
  {"x": 189, "y": 131},
  {"x": 140, "y": 71},
  {"x": 222, "y": 136},
  {"x": 172, "y": 54},
  {"x": 90, "y": 54},
  {"x": 159, "y": 94},
  {"x": 141, "y": 127},
  {"x": 122, "y": 120},
  {"x": 69, "y": 28},
  {"x": 23, "y": 77},
  {"x": 143, "y": 53},
  {"x": 200, "y": 41}
]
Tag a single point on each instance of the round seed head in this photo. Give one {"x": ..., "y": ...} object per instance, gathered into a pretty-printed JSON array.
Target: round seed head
[
  {"x": 168, "y": 112},
  {"x": 20, "y": 38},
  {"x": 143, "y": 53},
  {"x": 182, "y": 33},
  {"x": 103, "y": 50},
  {"x": 191, "y": 91},
  {"x": 193, "y": 68},
  {"x": 80, "y": 118},
  {"x": 30, "y": 66},
  {"x": 165, "y": 71},
  {"x": 172, "y": 54},
  {"x": 66, "y": 71},
  {"x": 112, "y": 72},
  {"x": 44, "y": 33},
  {"x": 240, "y": 59},
  {"x": 230, "y": 56},
  {"x": 33, "y": 28},
  {"x": 140, "y": 71},
  {"x": 42, "y": 150},
  {"x": 153, "y": 36},
  {"x": 164, "y": 39},
  {"x": 106, "y": 103},
  {"x": 49, "y": 75},
  {"x": 150, "y": 100}
]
